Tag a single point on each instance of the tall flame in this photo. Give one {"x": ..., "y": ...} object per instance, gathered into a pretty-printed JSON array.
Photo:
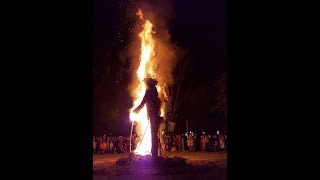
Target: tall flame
[{"x": 147, "y": 58}]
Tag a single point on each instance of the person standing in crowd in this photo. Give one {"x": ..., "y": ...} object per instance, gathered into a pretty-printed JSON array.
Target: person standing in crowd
[
  {"x": 207, "y": 137},
  {"x": 195, "y": 140},
  {"x": 182, "y": 142},
  {"x": 178, "y": 139},
  {"x": 202, "y": 142},
  {"x": 108, "y": 145},
  {"x": 98, "y": 145},
  {"x": 127, "y": 144},
  {"x": 216, "y": 143},
  {"x": 190, "y": 142},
  {"x": 94, "y": 145},
  {"x": 103, "y": 146},
  {"x": 221, "y": 142},
  {"x": 111, "y": 147},
  {"x": 119, "y": 145},
  {"x": 225, "y": 142}
]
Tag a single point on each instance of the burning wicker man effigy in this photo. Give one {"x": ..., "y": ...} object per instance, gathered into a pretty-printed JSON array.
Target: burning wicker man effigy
[{"x": 153, "y": 104}]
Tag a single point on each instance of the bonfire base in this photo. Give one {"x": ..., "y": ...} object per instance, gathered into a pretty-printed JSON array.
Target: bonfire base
[{"x": 149, "y": 161}]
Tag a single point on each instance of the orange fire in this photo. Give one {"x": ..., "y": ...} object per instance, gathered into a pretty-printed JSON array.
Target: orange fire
[{"x": 146, "y": 69}]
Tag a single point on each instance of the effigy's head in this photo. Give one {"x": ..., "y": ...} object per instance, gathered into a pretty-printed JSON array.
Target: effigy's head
[{"x": 150, "y": 82}]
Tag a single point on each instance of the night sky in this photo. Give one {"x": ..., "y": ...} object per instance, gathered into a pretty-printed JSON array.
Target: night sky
[{"x": 198, "y": 26}]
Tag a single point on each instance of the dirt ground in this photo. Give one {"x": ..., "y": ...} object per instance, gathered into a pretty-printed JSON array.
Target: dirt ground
[{"x": 177, "y": 165}]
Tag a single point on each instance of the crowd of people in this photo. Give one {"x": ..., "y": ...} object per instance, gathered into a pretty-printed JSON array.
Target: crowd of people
[
  {"x": 111, "y": 144},
  {"x": 193, "y": 142},
  {"x": 173, "y": 142}
]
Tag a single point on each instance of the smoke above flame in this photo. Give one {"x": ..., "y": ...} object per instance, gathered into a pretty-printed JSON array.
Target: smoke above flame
[{"x": 152, "y": 56}]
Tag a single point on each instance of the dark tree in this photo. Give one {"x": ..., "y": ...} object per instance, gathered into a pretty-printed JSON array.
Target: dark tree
[
  {"x": 220, "y": 101},
  {"x": 178, "y": 92}
]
